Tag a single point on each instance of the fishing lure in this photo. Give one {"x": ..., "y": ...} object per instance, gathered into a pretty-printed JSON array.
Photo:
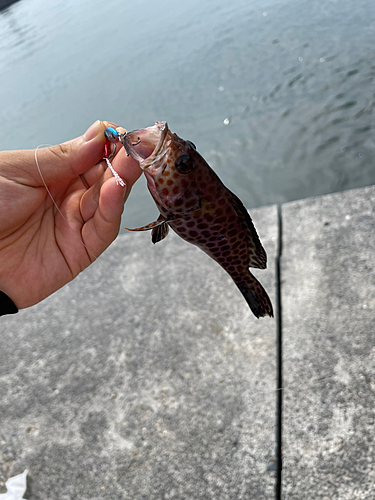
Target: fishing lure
[{"x": 112, "y": 137}]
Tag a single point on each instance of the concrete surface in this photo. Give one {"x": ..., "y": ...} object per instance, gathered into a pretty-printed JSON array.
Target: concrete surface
[
  {"x": 148, "y": 377},
  {"x": 328, "y": 304}
]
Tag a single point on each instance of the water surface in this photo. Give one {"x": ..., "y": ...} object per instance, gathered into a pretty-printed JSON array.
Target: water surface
[{"x": 278, "y": 96}]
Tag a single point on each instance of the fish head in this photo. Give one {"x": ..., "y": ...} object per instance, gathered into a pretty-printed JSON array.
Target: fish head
[{"x": 171, "y": 166}]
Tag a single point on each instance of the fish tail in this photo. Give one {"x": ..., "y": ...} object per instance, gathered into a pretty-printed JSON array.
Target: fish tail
[{"x": 255, "y": 295}]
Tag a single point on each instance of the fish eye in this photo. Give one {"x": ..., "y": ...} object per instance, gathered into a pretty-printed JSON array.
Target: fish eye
[
  {"x": 184, "y": 164},
  {"x": 192, "y": 144}
]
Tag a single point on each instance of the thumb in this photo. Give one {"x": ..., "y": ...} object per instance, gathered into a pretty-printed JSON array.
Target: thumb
[
  {"x": 72, "y": 158},
  {"x": 56, "y": 163}
]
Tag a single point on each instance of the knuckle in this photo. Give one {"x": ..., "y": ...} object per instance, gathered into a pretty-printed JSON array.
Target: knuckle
[
  {"x": 61, "y": 150},
  {"x": 62, "y": 154}
]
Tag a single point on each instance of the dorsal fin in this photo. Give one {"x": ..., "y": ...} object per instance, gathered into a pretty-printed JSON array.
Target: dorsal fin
[{"x": 259, "y": 257}]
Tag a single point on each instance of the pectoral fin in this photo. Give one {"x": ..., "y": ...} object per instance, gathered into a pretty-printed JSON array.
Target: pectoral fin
[
  {"x": 161, "y": 220},
  {"x": 159, "y": 232}
]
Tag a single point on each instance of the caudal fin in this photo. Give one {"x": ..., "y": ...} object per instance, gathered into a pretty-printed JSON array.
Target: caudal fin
[{"x": 255, "y": 295}]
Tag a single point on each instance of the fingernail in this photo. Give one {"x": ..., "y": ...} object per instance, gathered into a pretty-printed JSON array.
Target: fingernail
[{"x": 92, "y": 131}]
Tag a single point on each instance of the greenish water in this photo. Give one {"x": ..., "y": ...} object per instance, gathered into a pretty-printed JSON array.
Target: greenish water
[{"x": 278, "y": 96}]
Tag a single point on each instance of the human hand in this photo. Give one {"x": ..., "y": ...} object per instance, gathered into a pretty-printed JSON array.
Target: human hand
[{"x": 42, "y": 249}]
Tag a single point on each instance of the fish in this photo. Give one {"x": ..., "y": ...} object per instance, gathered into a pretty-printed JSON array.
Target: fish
[{"x": 196, "y": 205}]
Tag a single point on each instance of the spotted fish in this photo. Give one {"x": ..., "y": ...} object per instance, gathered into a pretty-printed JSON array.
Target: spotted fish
[{"x": 194, "y": 202}]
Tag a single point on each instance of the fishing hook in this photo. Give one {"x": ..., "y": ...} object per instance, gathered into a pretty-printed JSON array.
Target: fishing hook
[{"x": 112, "y": 138}]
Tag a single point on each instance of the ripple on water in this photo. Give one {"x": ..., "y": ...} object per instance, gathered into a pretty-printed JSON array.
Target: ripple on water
[{"x": 326, "y": 144}]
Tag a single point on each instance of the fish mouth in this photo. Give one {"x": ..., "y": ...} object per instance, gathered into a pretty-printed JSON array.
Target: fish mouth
[{"x": 148, "y": 145}]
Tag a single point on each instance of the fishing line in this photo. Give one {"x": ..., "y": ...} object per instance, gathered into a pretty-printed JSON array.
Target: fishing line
[
  {"x": 54, "y": 202},
  {"x": 112, "y": 138}
]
